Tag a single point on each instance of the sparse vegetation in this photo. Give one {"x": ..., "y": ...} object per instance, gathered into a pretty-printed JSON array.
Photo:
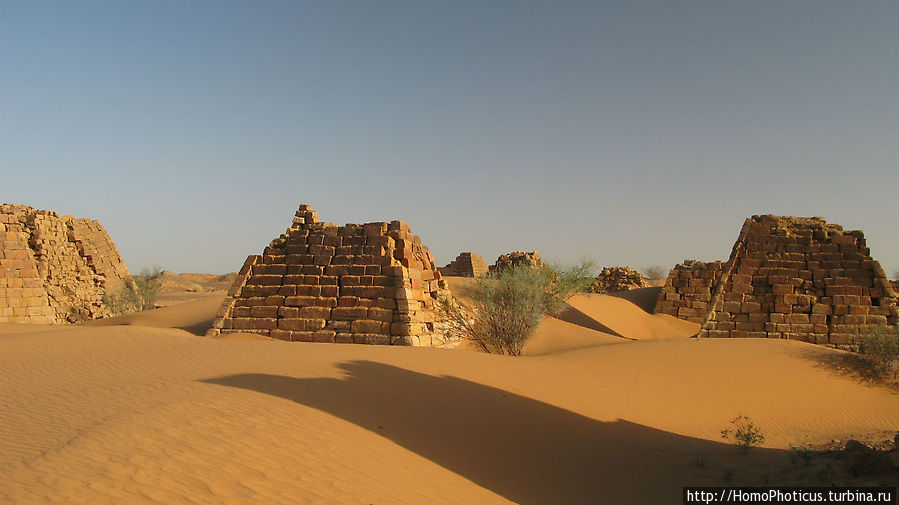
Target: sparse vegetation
[
  {"x": 744, "y": 433},
  {"x": 881, "y": 350},
  {"x": 655, "y": 273},
  {"x": 138, "y": 296},
  {"x": 505, "y": 307}
]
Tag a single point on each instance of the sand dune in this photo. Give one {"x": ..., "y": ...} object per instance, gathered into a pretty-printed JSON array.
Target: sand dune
[
  {"x": 139, "y": 413},
  {"x": 195, "y": 316},
  {"x": 620, "y": 316}
]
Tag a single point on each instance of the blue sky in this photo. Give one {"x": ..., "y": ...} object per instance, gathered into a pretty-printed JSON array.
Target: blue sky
[{"x": 634, "y": 133}]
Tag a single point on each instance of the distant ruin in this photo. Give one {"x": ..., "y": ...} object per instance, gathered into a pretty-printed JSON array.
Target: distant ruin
[
  {"x": 612, "y": 279},
  {"x": 514, "y": 259},
  {"x": 466, "y": 264},
  {"x": 372, "y": 283},
  {"x": 787, "y": 277},
  {"x": 55, "y": 269}
]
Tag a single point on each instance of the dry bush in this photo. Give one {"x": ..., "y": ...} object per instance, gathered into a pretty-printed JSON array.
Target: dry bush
[
  {"x": 881, "y": 350},
  {"x": 656, "y": 273},
  {"x": 137, "y": 296},
  {"x": 744, "y": 433},
  {"x": 507, "y": 305}
]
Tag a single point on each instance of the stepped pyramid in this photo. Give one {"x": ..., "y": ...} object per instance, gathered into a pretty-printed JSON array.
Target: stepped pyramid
[
  {"x": 372, "y": 283},
  {"x": 787, "y": 277},
  {"x": 466, "y": 264}
]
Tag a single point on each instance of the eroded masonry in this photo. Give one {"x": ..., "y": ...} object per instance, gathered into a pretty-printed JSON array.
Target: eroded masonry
[
  {"x": 55, "y": 269},
  {"x": 787, "y": 277},
  {"x": 372, "y": 283}
]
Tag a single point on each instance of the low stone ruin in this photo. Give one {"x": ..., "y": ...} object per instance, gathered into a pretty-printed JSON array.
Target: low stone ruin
[
  {"x": 55, "y": 269},
  {"x": 688, "y": 290},
  {"x": 613, "y": 279},
  {"x": 787, "y": 277},
  {"x": 372, "y": 283},
  {"x": 466, "y": 264},
  {"x": 513, "y": 259}
]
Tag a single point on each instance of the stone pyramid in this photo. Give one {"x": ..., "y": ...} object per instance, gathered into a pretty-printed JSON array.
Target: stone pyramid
[
  {"x": 372, "y": 283},
  {"x": 787, "y": 277},
  {"x": 55, "y": 269},
  {"x": 466, "y": 264}
]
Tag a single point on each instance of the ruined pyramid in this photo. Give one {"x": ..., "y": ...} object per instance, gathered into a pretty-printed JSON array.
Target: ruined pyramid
[
  {"x": 466, "y": 264},
  {"x": 787, "y": 277},
  {"x": 372, "y": 283},
  {"x": 55, "y": 269}
]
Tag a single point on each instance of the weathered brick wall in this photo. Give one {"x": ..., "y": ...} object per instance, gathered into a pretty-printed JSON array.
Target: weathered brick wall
[
  {"x": 466, "y": 264},
  {"x": 795, "y": 278},
  {"x": 687, "y": 293},
  {"x": 67, "y": 265},
  {"x": 372, "y": 283}
]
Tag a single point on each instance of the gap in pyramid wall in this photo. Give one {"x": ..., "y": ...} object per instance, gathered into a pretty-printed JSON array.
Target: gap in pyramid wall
[
  {"x": 787, "y": 277},
  {"x": 55, "y": 269},
  {"x": 372, "y": 283}
]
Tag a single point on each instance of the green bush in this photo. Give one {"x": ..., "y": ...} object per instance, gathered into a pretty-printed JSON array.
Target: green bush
[
  {"x": 881, "y": 350},
  {"x": 507, "y": 306},
  {"x": 744, "y": 433},
  {"x": 139, "y": 295}
]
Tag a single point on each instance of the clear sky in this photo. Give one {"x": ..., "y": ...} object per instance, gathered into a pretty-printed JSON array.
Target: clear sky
[{"x": 635, "y": 133}]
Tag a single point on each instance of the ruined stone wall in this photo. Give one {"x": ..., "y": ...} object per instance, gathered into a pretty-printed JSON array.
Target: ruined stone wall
[
  {"x": 612, "y": 279},
  {"x": 687, "y": 293},
  {"x": 466, "y": 264},
  {"x": 516, "y": 258},
  {"x": 372, "y": 283},
  {"x": 68, "y": 264},
  {"x": 796, "y": 278}
]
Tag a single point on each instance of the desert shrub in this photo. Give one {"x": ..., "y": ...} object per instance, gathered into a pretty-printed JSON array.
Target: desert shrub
[
  {"x": 881, "y": 350},
  {"x": 505, "y": 307},
  {"x": 744, "y": 433},
  {"x": 140, "y": 294},
  {"x": 656, "y": 273}
]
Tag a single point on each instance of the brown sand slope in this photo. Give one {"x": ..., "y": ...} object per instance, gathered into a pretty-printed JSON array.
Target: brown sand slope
[
  {"x": 597, "y": 319},
  {"x": 129, "y": 414},
  {"x": 622, "y": 317},
  {"x": 195, "y": 316}
]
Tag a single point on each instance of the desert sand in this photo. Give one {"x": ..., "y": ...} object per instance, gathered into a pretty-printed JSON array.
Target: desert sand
[{"x": 610, "y": 405}]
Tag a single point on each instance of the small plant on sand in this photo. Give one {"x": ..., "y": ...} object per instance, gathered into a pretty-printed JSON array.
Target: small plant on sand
[
  {"x": 655, "y": 273},
  {"x": 139, "y": 295},
  {"x": 744, "y": 433},
  {"x": 881, "y": 350},
  {"x": 504, "y": 308}
]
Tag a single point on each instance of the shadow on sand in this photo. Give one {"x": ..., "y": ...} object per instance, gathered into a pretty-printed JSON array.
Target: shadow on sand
[
  {"x": 525, "y": 450},
  {"x": 645, "y": 298},
  {"x": 575, "y": 316}
]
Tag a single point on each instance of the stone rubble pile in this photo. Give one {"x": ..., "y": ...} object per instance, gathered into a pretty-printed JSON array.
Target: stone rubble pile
[
  {"x": 613, "y": 279},
  {"x": 513, "y": 259}
]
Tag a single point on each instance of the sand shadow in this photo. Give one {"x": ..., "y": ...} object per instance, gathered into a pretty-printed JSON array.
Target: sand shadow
[
  {"x": 575, "y": 316},
  {"x": 200, "y": 328},
  {"x": 530, "y": 452},
  {"x": 645, "y": 298},
  {"x": 846, "y": 364}
]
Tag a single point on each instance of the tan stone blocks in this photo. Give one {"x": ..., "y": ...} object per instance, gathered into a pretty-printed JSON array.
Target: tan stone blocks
[
  {"x": 349, "y": 313},
  {"x": 300, "y": 324},
  {"x": 264, "y": 311}
]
